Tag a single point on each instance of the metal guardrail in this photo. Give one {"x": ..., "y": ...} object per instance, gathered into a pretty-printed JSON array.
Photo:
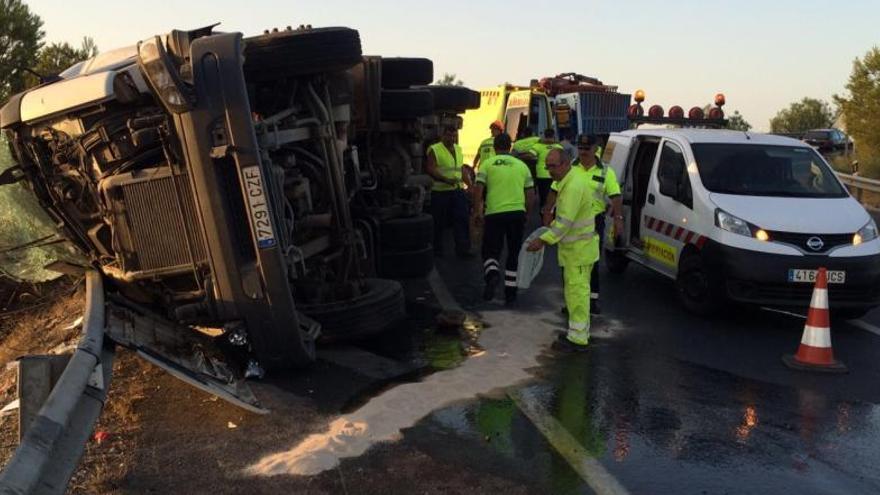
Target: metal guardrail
[
  {"x": 53, "y": 444},
  {"x": 858, "y": 186}
]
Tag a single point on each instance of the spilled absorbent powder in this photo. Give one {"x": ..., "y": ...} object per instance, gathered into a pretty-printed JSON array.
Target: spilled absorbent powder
[{"x": 512, "y": 345}]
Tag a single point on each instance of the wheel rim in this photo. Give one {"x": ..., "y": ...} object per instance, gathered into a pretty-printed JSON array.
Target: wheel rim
[{"x": 695, "y": 286}]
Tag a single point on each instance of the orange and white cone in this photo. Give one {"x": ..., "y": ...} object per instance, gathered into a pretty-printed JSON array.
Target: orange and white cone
[{"x": 815, "y": 352}]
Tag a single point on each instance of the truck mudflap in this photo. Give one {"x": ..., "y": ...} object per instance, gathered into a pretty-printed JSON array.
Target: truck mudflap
[{"x": 185, "y": 353}]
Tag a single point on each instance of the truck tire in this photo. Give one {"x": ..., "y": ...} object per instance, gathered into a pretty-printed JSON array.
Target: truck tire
[
  {"x": 615, "y": 262},
  {"x": 695, "y": 289},
  {"x": 400, "y": 104},
  {"x": 407, "y": 233},
  {"x": 301, "y": 52},
  {"x": 455, "y": 99},
  {"x": 382, "y": 305},
  {"x": 407, "y": 264},
  {"x": 401, "y": 73}
]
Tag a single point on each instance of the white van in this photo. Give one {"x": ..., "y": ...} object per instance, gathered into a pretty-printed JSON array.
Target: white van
[{"x": 743, "y": 217}]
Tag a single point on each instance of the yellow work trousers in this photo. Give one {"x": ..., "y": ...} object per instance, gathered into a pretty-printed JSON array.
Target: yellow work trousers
[{"x": 576, "y": 286}]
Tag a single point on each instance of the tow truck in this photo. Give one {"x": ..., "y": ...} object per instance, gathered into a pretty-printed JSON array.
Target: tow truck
[{"x": 569, "y": 103}]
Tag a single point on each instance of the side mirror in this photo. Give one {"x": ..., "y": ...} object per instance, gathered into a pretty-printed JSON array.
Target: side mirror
[{"x": 11, "y": 175}]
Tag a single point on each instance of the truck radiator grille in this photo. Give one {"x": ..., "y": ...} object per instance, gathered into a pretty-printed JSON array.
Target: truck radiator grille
[{"x": 160, "y": 236}]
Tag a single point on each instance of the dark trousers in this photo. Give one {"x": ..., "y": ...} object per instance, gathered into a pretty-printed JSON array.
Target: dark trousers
[
  {"x": 594, "y": 276},
  {"x": 543, "y": 186},
  {"x": 501, "y": 228},
  {"x": 451, "y": 208}
]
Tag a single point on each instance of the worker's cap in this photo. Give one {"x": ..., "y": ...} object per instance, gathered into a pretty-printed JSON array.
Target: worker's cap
[
  {"x": 587, "y": 140},
  {"x": 498, "y": 125},
  {"x": 502, "y": 141}
]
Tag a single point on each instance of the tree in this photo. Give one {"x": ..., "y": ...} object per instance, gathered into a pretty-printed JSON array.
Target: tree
[
  {"x": 449, "y": 80},
  {"x": 802, "y": 116},
  {"x": 861, "y": 106},
  {"x": 736, "y": 122},
  {"x": 20, "y": 40},
  {"x": 56, "y": 57}
]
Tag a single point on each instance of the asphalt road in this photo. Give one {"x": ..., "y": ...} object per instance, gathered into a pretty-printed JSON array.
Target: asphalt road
[
  {"x": 662, "y": 402},
  {"x": 667, "y": 402}
]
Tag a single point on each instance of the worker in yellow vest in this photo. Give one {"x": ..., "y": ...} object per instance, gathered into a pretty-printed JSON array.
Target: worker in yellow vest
[
  {"x": 487, "y": 147},
  {"x": 607, "y": 194},
  {"x": 524, "y": 143},
  {"x": 573, "y": 230},
  {"x": 510, "y": 194},
  {"x": 540, "y": 150},
  {"x": 449, "y": 202}
]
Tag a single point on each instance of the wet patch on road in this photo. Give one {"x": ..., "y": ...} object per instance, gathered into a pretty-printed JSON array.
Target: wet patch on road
[{"x": 510, "y": 349}]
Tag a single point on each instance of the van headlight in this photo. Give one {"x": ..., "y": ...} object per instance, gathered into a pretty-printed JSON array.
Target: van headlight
[
  {"x": 732, "y": 224},
  {"x": 865, "y": 234}
]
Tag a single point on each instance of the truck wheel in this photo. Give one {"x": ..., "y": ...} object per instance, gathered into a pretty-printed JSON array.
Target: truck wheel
[
  {"x": 407, "y": 264},
  {"x": 398, "y": 104},
  {"x": 616, "y": 262},
  {"x": 453, "y": 98},
  {"x": 695, "y": 290},
  {"x": 379, "y": 307},
  {"x": 408, "y": 233},
  {"x": 401, "y": 73},
  {"x": 301, "y": 52}
]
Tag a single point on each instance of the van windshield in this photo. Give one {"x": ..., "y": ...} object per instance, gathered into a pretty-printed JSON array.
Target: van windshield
[{"x": 764, "y": 170}]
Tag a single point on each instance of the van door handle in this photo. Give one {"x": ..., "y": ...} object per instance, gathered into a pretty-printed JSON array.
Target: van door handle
[{"x": 651, "y": 198}]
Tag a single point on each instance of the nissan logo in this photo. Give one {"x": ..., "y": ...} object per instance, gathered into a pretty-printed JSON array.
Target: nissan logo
[{"x": 815, "y": 243}]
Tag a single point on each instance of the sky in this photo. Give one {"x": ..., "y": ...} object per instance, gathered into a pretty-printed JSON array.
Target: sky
[{"x": 762, "y": 55}]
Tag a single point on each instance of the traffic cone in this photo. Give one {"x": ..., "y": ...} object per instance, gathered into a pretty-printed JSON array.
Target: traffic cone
[{"x": 815, "y": 353}]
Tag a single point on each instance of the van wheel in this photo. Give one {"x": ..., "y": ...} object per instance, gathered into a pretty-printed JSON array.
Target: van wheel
[
  {"x": 616, "y": 262},
  {"x": 848, "y": 313},
  {"x": 695, "y": 290}
]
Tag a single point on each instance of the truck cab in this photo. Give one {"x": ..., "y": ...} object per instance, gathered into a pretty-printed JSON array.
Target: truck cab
[{"x": 742, "y": 217}]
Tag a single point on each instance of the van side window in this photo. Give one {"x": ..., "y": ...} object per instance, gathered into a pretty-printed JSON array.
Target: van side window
[{"x": 672, "y": 175}]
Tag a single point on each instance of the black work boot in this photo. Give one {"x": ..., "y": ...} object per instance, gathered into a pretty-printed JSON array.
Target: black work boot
[
  {"x": 510, "y": 296},
  {"x": 492, "y": 280}
]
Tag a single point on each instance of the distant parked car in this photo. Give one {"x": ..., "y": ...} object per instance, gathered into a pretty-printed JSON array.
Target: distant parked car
[{"x": 827, "y": 139}]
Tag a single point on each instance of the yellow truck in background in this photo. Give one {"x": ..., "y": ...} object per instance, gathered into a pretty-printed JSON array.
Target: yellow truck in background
[
  {"x": 518, "y": 107},
  {"x": 570, "y": 104}
]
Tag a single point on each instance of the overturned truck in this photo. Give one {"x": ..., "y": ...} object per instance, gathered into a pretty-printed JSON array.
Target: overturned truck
[{"x": 267, "y": 187}]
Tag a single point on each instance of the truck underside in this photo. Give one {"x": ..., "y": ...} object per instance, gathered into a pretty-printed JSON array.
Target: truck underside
[{"x": 265, "y": 187}]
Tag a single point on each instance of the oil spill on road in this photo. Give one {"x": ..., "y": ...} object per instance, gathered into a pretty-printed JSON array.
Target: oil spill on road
[{"x": 510, "y": 348}]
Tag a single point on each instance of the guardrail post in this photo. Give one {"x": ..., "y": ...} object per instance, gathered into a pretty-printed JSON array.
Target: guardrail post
[{"x": 36, "y": 378}]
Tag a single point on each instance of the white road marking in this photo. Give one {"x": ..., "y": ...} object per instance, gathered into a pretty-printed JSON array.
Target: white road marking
[
  {"x": 865, "y": 326},
  {"x": 783, "y": 312},
  {"x": 590, "y": 470}
]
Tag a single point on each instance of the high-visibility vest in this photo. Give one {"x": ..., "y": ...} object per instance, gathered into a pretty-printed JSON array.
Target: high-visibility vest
[
  {"x": 506, "y": 178},
  {"x": 606, "y": 185},
  {"x": 447, "y": 165},
  {"x": 574, "y": 228},
  {"x": 541, "y": 150},
  {"x": 487, "y": 149},
  {"x": 523, "y": 145}
]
